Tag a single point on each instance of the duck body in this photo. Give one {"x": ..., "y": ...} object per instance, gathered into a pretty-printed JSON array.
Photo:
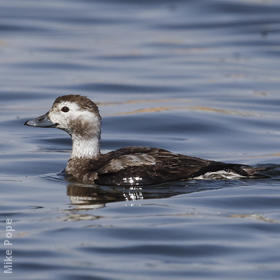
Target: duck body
[
  {"x": 146, "y": 166},
  {"x": 80, "y": 118}
]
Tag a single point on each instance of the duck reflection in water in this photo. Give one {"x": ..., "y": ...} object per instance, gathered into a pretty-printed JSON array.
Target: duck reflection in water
[
  {"x": 95, "y": 196},
  {"x": 84, "y": 196}
]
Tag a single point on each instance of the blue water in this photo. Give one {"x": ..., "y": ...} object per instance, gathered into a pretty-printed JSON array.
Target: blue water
[{"x": 195, "y": 77}]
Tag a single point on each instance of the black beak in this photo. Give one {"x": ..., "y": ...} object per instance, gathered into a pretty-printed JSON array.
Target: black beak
[{"x": 42, "y": 121}]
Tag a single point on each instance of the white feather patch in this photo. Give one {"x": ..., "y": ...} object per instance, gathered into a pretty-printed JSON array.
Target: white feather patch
[
  {"x": 83, "y": 148},
  {"x": 221, "y": 174}
]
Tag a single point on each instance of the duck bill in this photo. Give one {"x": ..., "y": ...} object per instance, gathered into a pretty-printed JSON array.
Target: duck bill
[{"x": 42, "y": 121}]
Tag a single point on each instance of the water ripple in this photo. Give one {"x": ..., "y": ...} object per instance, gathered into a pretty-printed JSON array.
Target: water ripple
[{"x": 195, "y": 77}]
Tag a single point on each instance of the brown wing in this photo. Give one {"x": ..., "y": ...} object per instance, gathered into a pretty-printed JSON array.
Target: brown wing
[{"x": 142, "y": 165}]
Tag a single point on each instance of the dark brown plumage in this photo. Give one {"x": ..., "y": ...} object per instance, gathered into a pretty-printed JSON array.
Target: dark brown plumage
[{"x": 166, "y": 167}]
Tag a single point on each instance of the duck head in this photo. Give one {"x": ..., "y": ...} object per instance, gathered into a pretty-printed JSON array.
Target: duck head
[{"x": 78, "y": 116}]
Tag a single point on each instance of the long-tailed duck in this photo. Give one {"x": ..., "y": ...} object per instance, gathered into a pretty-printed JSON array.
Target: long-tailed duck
[{"x": 80, "y": 118}]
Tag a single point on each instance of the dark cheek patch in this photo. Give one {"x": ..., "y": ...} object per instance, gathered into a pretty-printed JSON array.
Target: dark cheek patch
[{"x": 81, "y": 128}]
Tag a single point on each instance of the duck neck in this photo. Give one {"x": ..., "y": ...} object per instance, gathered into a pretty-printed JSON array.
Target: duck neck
[{"x": 85, "y": 148}]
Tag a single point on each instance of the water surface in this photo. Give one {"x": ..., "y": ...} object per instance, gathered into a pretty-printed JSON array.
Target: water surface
[{"x": 195, "y": 77}]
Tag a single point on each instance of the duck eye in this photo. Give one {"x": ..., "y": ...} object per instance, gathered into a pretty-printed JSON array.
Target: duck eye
[{"x": 65, "y": 109}]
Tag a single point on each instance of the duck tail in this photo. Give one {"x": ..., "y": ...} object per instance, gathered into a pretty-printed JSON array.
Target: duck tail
[{"x": 262, "y": 171}]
